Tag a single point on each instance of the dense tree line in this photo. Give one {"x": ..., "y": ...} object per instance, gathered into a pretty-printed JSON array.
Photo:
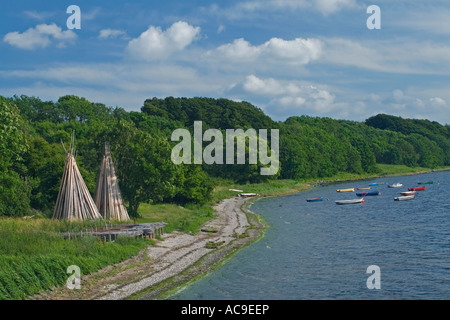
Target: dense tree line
[{"x": 32, "y": 157}]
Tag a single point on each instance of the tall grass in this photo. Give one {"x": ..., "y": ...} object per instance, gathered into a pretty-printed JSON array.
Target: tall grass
[{"x": 35, "y": 257}]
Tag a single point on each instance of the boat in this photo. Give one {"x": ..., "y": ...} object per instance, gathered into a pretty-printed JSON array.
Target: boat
[
  {"x": 407, "y": 193},
  {"x": 426, "y": 182},
  {"x": 402, "y": 198},
  {"x": 250, "y": 195},
  {"x": 371, "y": 193},
  {"x": 374, "y": 184},
  {"x": 346, "y": 190},
  {"x": 395, "y": 185},
  {"x": 364, "y": 188},
  {"x": 235, "y": 190},
  {"x": 353, "y": 201},
  {"x": 417, "y": 189},
  {"x": 314, "y": 199}
]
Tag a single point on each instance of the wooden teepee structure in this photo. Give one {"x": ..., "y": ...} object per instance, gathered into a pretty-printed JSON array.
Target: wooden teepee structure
[
  {"x": 107, "y": 192},
  {"x": 74, "y": 201}
]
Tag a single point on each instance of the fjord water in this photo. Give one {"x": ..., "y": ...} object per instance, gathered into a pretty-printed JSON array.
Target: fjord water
[{"x": 320, "y": 250}]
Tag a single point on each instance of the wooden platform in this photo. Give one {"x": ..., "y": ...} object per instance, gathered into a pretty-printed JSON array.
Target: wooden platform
[{"x": 146, "y": 230}]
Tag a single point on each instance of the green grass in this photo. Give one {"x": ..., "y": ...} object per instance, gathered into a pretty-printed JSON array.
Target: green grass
[
  {"x": 393, "y": 169},
  {"x": 185, "y": 219},
  {"x": 35, "y": 257}
]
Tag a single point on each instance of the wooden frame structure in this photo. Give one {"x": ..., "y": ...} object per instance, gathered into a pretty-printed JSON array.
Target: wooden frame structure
[
  {"x": 74, "y": 201},
  {"x": 108, "y": 197}
]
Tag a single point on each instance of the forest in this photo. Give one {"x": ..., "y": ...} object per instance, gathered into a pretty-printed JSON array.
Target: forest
[{"x": 32, "y": 156}]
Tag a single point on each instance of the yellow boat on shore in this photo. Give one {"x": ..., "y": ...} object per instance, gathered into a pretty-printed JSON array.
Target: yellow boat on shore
[{"x": 346, "y": 190}]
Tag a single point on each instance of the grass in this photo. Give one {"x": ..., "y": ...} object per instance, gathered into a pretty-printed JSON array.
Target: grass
[
  {"x": 185, "y": 219},
  {"x": 34, "y": 257},
  {"x": 392, "y": 169}
]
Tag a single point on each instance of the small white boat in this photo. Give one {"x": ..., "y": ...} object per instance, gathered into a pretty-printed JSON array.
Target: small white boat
[
  {"x": 246, "y": 195},
  {"x": 346, "y": 190},
  {"x": 402, "y": 198},
  {"x": 408, "y": 193},
  {"x": 352, "y": 201},
  {"x": 395, "y": 185}
]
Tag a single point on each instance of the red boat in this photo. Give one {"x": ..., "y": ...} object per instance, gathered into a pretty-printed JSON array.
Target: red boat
[{"x": 416, "y": 189}]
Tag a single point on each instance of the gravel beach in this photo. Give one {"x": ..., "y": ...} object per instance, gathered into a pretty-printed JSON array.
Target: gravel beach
[{"x": 179, "y": 257}]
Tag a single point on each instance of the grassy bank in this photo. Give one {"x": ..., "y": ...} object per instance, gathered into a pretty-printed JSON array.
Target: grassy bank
[{"x": 34, "y": 257}]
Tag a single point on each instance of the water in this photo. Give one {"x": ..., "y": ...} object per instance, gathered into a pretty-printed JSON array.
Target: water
[{"x": 322, "y": 250}]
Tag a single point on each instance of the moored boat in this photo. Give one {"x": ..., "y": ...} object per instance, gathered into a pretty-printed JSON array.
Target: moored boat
[
  {"x": 364, "y": 188},
  {"x": 417, "y": 189},
  {"x": 402, "y": 198},
  {"x": 346, "y": 190},
  {"x": 426, "y": 182},
  {"x": 314, "y": 199},
  {"x": 407, "y": 193},
  {"x": 250, "y": 195},
  {"x": 395, "y": 185},
  {"x": 371, "y": 193},
  {"x": 352, "y": 201}
]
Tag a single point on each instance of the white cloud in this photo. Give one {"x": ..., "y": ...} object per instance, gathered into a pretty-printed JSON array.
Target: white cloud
[
  {"x": 433, "y": 19},
  {"x": 439, "y": 102},
  {"x": 111, "y": 34},
  {"x": 286, "y": 97},
  {"x": 403, "y": 56},
  {"x": 298, "y": 51},
  {"x": 40, "y": 37},
  {"x": 134, "y": 82},
  {"x": 40, "y": 16},
  {"x": 325, "y": 7},
  {"x": 330, "y": 6},
  {"x": 154, "y": 43},
  {"x": 221, "y": 28}
]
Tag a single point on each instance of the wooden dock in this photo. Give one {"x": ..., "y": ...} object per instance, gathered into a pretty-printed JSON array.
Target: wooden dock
[{"x": 145, "y": 230}]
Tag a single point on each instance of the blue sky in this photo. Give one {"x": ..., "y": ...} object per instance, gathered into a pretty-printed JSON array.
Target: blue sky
[{"x": 288, "y": 57}]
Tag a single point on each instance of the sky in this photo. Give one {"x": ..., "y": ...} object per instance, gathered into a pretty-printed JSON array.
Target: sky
[{"x": 287, "y": 57}]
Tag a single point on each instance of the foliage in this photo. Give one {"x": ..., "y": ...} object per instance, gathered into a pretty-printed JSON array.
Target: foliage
[
  {"x": 32, "y": 156},
  {"x": 14, "y": 189}
]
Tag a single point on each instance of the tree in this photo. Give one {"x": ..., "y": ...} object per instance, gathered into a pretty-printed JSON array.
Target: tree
[
  {"x": 15, "y": 191},
  {"x": 144, "y": 167}
]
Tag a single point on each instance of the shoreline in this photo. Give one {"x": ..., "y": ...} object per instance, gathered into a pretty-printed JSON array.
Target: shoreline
[
  {"x": 179, "y": 259},
  {"x": 174, "y": 261}
]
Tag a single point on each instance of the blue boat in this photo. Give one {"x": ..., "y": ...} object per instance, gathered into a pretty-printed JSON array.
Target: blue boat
[
  {"x": 371, "y": 193},
  {"x": 315, "y": 199}
]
